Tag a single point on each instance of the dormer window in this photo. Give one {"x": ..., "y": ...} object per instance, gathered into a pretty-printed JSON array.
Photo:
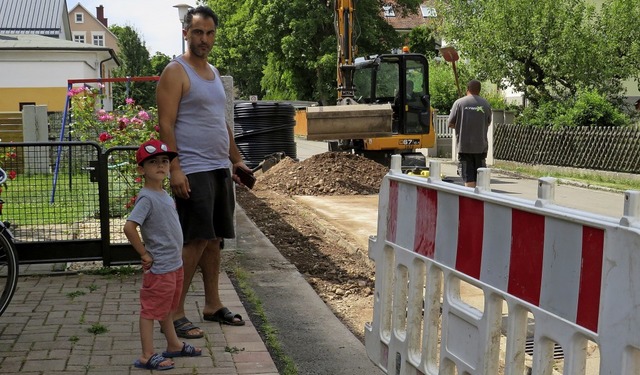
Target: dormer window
[
  {"x": 428, "y": 12},
  {"x": 388, "y": 10}
]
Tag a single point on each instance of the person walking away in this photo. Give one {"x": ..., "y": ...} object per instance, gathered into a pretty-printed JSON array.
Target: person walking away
[
  {"x": 191, "y": 110},
  {"x": 160, "y": 252},
  {"x": 470, "y": 117}
]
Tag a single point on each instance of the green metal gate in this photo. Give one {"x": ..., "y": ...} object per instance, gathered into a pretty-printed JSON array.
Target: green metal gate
[{"x": 69, "y": 201}]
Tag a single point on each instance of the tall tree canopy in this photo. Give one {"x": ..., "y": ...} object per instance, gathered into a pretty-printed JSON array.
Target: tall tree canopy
[
  {"x": 135, "y": 62},
  {"x": 281, "y": 49},
  {"x": 548, "y": 49}
]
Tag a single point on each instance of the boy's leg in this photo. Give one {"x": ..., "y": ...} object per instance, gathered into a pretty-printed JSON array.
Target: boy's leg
[
  {"x": 173, "y": 342},
  {"x": 146, "y": 338}
]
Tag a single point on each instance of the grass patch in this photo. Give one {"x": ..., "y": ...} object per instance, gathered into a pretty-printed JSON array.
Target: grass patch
[
  {"x": 586, "y": 178},
  {"x": 267, "y": 329},
  {"x": 233, "y": 349},
  {"x": 115, "y": 271},
  {"x": 28, "y": 199},
  {"x": 75, "y": 294},
  {"x": 97, "y": 329}
]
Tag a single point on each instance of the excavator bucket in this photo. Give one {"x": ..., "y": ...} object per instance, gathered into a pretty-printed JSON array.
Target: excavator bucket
[{"x": 355, "y": 121}]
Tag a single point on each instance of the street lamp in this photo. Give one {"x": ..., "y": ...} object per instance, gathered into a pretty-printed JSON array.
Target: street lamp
[{"x": 182, "y": 11}]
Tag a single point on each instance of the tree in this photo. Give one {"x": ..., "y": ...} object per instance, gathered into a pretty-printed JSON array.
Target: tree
[
  {"x": 549, "y": 49},
  {"x": 134, "y": 59},
  {"x": 281, "y": 49},
  {"x": 422, "y": 40},
  {"x": 158, "y": 62}
]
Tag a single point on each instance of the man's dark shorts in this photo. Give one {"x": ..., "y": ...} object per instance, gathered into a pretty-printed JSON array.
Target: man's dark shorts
[
  {"x": 469, "y": 164},
  {"x": 208, "y": 213}
]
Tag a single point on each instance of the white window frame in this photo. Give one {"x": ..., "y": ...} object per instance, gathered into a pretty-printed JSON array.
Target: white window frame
[
  {"x": 79, "y": 37},
  {"x": 79, "y": 19},
  {"x": 388, "y": 10},
  {"x": 100, "y": 36},
  {"x": 428, "y": 12}
]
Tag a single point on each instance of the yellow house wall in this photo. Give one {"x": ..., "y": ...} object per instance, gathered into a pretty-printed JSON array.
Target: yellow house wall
[{"x": 53, "y": 97}]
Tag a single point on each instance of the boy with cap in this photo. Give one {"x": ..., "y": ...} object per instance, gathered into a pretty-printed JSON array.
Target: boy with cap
[{"x": 161, "y": 255}]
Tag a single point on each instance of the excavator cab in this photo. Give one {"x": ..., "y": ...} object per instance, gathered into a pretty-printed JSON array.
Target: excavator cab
[{"x": 401, "y": 80}]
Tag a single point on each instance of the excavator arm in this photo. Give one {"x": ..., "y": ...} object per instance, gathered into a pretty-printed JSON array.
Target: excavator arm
[
  {"x": 344, "y": 21},
  {"x": 347, "y": 120}
]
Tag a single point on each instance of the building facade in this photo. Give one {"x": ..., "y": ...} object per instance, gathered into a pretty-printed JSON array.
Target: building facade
[{"x": 89, "y": 29}]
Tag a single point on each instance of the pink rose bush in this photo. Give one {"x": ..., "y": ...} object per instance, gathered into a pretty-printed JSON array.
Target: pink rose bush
[{"x": 128, "y": 125}]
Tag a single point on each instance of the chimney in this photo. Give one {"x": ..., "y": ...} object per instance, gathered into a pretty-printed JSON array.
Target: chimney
[{"x": 100, "y": 16}]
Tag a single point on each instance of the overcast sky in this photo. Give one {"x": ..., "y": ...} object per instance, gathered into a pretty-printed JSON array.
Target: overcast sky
[{"x": 156, "y": 21}]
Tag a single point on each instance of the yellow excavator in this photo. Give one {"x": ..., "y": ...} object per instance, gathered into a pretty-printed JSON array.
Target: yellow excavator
[{"x": 383, "y": 101}]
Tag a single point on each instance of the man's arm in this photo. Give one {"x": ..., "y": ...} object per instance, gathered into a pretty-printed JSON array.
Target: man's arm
[
  {"x": 168, "y": 95},
  {"x": 235, "y": 157}
]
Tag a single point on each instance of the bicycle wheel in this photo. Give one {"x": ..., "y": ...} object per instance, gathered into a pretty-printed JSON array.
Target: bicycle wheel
[{"x": 8, "y": 271}]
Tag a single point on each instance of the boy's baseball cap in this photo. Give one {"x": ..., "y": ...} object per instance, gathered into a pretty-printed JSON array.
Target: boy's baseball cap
[{"x": 151, "y": 148}]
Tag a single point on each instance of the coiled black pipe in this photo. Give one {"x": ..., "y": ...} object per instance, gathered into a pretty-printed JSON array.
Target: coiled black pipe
[{"x": 262, "y": 129}]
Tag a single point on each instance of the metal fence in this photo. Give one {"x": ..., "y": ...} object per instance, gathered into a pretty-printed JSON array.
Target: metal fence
[{"x": 67, "y": 201}]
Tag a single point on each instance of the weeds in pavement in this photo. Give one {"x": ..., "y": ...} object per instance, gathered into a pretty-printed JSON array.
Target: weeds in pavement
[
  {"x": 116, "y": 271},
  {"x": 269, "y": 332},
  {"x": 97, "y": 329},
  {"x": 75, "y": 294}
]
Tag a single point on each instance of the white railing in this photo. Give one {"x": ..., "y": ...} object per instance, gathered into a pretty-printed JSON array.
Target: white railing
[{"x": 442, "y": 128}]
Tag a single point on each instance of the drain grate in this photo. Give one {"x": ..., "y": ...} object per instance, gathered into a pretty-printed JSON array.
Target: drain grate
[{"x": 557, "y": 349}]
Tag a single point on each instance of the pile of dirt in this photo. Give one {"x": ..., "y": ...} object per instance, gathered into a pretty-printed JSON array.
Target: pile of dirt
[{"x": 329, "y": 173}]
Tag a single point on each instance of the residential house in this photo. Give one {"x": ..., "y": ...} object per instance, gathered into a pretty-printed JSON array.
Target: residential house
[
  {"x": 36, "y": 17},
  {"x": 90, "y": 29},
  {"x": 37, "y": 56},
  {"x": 35, "y": 69},
  {"x": 403, "y": 24}
]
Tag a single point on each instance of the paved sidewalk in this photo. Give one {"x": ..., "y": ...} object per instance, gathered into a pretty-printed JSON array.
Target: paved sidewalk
[{"x": 45, "y": 329}]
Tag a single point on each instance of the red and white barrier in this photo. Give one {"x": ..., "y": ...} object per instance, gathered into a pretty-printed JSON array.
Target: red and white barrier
[{"x": 551, "y": 275}]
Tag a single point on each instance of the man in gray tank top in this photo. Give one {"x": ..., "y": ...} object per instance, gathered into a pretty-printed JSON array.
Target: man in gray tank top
[
  {"x": 470, "y": 117},
  {"x": 191, "y": 110}
]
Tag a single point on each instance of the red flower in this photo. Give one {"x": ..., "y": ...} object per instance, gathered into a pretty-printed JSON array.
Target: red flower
[
  {"x": 138, "y": 179},
  {"x": 104, "y": 136},
  {"x": 12, "y": 175}
]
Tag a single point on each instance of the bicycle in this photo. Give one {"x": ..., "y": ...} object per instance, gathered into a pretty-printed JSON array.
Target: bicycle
[{"x": 9, "y": 268}]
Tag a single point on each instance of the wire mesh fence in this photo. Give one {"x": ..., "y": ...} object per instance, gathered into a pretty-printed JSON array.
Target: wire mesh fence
[{"x": 55, "y": 192}]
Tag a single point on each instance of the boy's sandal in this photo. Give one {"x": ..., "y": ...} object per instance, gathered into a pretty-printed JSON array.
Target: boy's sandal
[
  {"x": 183, "y": 326},
  {"x": 154, "y": 363}
]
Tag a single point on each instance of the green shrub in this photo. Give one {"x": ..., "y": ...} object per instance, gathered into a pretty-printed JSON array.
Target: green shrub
[
  {"x": 593, "y": 109},
  {"x": 589, "y": 108}
]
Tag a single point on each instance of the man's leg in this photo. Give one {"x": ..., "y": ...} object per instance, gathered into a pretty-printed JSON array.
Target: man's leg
[
  {"x": 210, "y": 267},
  {"x": 192, "y": 253}
]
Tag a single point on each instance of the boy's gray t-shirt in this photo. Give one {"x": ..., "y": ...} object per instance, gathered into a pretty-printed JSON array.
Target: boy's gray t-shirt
[
  {"x": 155, "y": 212},
  {"x": 472, "y": 116}
]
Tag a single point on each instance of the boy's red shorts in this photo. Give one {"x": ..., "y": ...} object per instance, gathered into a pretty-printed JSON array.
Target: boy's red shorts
[{"x": 160, "y": 294}]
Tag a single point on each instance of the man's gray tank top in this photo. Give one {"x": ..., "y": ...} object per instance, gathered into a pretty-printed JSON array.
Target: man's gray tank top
[{"x": 201, "y": 130}]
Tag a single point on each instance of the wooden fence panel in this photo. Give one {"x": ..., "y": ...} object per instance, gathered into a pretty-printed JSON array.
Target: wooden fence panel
[
  {"x": 615, "y": 149},
  {"x": 11, "y": 127}
]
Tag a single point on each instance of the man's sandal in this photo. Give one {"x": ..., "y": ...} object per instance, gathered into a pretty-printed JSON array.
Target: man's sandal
[
  {"x": 224, "y": 316},
  {"x": 183, "y": 326},
  {"x": 187, "y": 351}
]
